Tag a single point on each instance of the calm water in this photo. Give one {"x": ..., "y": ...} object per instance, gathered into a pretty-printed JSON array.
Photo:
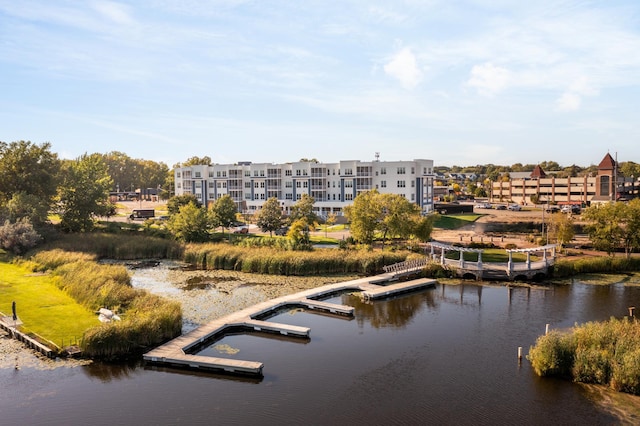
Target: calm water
[{"x": 442, "y": 356}]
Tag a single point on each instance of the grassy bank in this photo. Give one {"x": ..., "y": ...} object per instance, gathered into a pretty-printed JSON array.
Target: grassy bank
[
  {"x": 42, "y": 306},
  {"x": 147, "y": 320},
  {"x": 605, "y": 353}
]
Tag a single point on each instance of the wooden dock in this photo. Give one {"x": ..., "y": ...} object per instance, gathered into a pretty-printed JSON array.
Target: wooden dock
[{"x": 179, "y": 352}]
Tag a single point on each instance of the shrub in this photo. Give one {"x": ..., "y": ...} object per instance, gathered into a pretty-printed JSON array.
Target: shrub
[
  {"x": 18, "y": 237},
  {"x": 552, "y": 354}
]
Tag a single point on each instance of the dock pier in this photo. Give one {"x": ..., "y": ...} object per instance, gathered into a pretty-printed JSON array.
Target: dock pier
[{"x": 179, "y": 352}]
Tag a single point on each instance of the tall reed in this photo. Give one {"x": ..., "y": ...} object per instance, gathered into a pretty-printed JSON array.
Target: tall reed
[
  {"x": 606, "y": 353},
  {"x": 268, "y": 260},
  {"x": 123, "y": 246}
]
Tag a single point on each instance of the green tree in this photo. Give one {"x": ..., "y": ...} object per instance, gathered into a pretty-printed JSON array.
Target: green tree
[
  {"x": 299, "y": 234},
  {"x": 398, "y": 218},
  {"x": 27, "y": 206},
  {"x": 190, "y": 224},
  {"x": 303, "y": 209},
  {"x": 28, "y": 169},
  {"x": 614, "y": 225},
  {"x": 424, "y": 227},
  {"x": 83, "y": 193},
  {"x": 560, "y": 229},
  {"x": 270, "y": 216},
  {"x": 629, "y": 168},
  {"x": 363, "y": 216},
  {"x": 223, "y": 212},
  {"x": 196, "y": 161},
  {"x": 174, "y": 203}
]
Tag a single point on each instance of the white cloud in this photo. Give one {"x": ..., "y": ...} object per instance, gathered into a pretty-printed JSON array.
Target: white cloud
[
  {"x": 403, "y": 67},
  {"x": 489, "y": 79},
  {"x": 569, "y": 101},
  {"x": 115, "y": 12}
]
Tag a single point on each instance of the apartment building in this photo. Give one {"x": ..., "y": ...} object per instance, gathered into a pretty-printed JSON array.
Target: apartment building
[
  {"x": 332, "y": 185},
  {"x": 607, "y": 185}
]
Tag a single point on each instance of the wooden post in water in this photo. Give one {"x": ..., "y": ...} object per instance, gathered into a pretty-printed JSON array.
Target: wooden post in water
[
  {"x": 546, "y": 329},
  {"x": 519, "y": 354},
  {"x": 631, "y": 309}
]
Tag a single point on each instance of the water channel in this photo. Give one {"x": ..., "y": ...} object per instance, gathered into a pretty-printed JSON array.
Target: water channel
[{"x": 441, "y": 356}]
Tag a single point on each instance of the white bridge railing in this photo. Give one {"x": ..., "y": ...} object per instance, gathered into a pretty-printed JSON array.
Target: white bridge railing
[{"x": 406, "y": 266}]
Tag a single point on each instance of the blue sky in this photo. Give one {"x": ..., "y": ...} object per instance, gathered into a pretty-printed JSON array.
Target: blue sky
[{"x": 459, "y": 82}]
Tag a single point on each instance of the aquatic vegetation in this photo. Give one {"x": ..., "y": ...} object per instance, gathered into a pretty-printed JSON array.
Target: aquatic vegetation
[{"x": 606, "y": 353}]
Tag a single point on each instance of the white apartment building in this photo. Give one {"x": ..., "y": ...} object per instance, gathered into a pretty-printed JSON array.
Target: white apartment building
[{"x": 332, "y": 185}]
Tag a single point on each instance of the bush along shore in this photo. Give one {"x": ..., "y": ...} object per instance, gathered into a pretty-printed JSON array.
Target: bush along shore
[
  {"x": 604, "y": 353},
  {"x": 146, "y": 319}
]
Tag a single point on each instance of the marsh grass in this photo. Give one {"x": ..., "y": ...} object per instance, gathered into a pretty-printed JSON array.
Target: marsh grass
[
  {"x": 606, "y": 353},
  {"x": 123, "y": 246},
  {"x": 272, "y": 260},
  {"x": 604, "y": 264}
]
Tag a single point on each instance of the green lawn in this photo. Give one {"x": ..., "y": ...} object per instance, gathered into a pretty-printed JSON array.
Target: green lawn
[
  {"x": 455, "y": 221},
  {"x": 43, "y": 308}
]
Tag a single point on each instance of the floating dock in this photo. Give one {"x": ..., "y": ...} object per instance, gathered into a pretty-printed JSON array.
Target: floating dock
[{"x": 179, "y": 352}]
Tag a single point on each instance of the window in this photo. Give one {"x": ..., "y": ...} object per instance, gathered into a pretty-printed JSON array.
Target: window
[
  {"x": 211, "y": 185},
  {"x": 298, "y": 172},
  {"x": 413, "y": 183},
  {"x": 255, "y": 173},
  {"x": 348, "y": 172},
  {"x": 288, "y": 184},
  {"x": 383, "y": 184},
  {"x": 348, "y": 184},
  {"x": 288, "y": 196},
  {"x": 298, "y": 184},
  {"x": 305, "y": 184},
  {"x": 348, "y": 197},
  {"x": 247, "y": 173},
  {"x": 413, "y": 170},
  {"x": 247, "y": 184},
  {"x": 218, "y": 173},
  {"x": 178, "y": 174},
  {"x": 210, "y": 173},
  {"x": 383, "y": 171},
  {"x": 401, "y": 184},
  {"x": 198, "y": 175},
  {"x": 287, "y": 173},
  {"x": 262, "y": 173},
  {"x": 401, "y": 170},
  {"x": 198, "y": 184}
]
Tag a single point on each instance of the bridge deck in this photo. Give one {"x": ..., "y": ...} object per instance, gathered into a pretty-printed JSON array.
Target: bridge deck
[{"x": 176, "y": 351}]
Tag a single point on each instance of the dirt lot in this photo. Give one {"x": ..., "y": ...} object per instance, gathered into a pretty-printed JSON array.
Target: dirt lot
[{"x": 473, "y": 233}]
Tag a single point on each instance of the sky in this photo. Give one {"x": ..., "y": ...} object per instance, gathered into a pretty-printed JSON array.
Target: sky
[{"x": 267, "y": 81}]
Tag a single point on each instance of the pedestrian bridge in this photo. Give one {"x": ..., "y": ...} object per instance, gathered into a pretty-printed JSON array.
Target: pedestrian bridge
[{"x": 513, "y": 271}]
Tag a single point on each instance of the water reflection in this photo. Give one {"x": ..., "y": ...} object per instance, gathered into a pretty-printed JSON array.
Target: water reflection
[{"x": 440, "y": 356}]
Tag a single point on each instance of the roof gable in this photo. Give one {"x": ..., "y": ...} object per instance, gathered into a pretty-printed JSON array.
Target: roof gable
[{"x": 607, "y": 163}]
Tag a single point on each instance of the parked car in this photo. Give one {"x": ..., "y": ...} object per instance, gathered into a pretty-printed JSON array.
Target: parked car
[
  {"x": 571, "y": 208},
  {"x": 483, "y": 205},
  {"x": 552, "y": 209},
  {"x": 514, "y": 207},
  {"x": 241, "y": 230},
  {"x": 501, "y": 207},
  {"x": 282, "y": 231}
]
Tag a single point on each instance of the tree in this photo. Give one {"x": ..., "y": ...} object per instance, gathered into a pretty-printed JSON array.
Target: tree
[
  {"x": 223, "y": 212},
  {"x": 26, "y": 206},
  {"x": 196, "y": 161},
  {"x": 629, "y": 169},
  {"x": 560, "y": 229},
  {"x": 174, "y": 203},
  {"x": 303, "y": 209},
  {"x": 83, "y": 193},
  {"x": 424, "y": 227},
  {"x": 398, "y": 217},
  {"x": 363, "y": 216},
  {"x": 28, "y": 169},
  {"x": 190, "y": 224},
  {"x": 270, "y": 216},
  {"x": 614, "y": 226},
  {"x": 299, "y": 234}
]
